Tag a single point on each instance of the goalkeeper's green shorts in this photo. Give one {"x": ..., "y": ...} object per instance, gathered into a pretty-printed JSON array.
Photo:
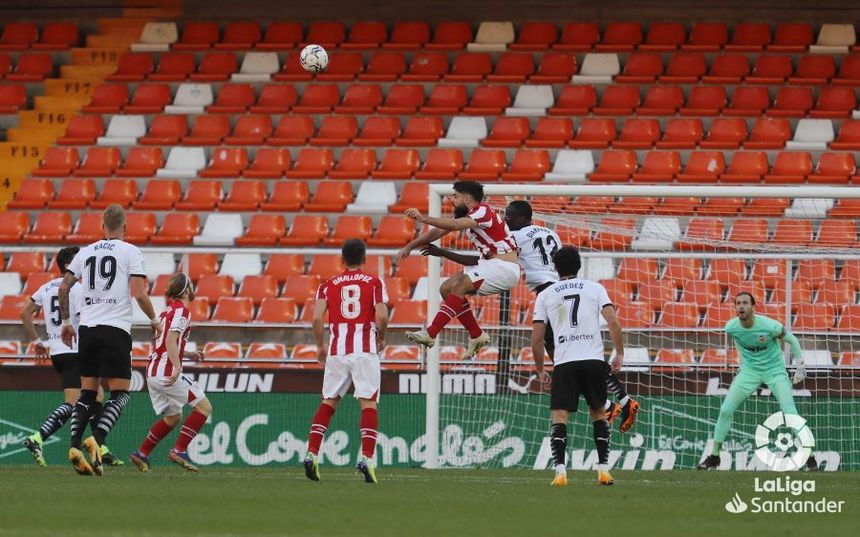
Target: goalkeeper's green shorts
[{"x": 748, "y": 381}]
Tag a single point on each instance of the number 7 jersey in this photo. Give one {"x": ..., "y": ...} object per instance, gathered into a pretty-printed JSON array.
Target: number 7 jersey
[
  {"x": 104, "y": 269},
  {"x": 352, "y": 298}
]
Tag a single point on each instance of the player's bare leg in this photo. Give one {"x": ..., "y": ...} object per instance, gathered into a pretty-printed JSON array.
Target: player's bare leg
[
  {"x": 318, "y": 429},
  {"x": 369, "y": 426}
]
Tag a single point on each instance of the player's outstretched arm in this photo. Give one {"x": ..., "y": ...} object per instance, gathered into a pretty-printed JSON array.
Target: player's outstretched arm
[
  {"x": 318, "y": 327},
  {"x": 797, "y": 353},
  {"x": 138, "y": 291},
  {"x": 448, "y": 224},
  {"x": 617, "y": 336},
  {"x": 466, "y": 260},
  {"x": 431, "y": 235},
  {"x": 27, "y": 314}
]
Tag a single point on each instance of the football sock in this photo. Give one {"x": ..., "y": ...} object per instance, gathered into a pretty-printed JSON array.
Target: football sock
[
  {"x": 156, "y": 434},
  {"x": 449, "y": 309},
  {"x": 607, "y": 405},
  {"x": 617, "y": 389},
  {"x": 95, "y": 414},
  {"x": 467, "y": 319},
  {"x": 601, "y": 440},
  {"x": 715, "y": 449},
  {"x": 193, "y": 423},
  {"x": 558, "y": 443},
  {"x": 80, "y": 415},
  {"x": 369, "y": 424},
  {"x": 319, "y": 427},
  {"x": 111, "y": 412},
  {"x": 55, "y": 420}
]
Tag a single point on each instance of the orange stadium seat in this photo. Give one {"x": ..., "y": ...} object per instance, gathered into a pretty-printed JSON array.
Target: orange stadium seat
[
  {"x": 132, "y": 67},
  {"x": 301, "y": 287},
  {"x": 701, "y": 233},
  {"x": 507, "y": 132},
  {"x": 200, "y": 265},
  {"x": 793, "y": 232},
  {"x": 578, "y": 37},
  {"x": 82, "y": 130},
  {"x": 384, "y": 66},
  {"x": 250, "y": 130},
  {"x": 768, "y": 133},
  {"x": 632, "y": 315},
  {"x": 685, "y": 68},
  {"x": 397, "y": 164},
  {"x": 705, "y": 101},
  {"x": 18, "y": 36},
  {"x": 292, "y": 130},
  {"x": 637, "y": 269},
  {"x": 360, "y": 99},
  {"x": 342, "y": 67},
  {"x": 756, "y": 288},
  {"x": 849, "y": 71},
  {"x": 445, "y": 99},
  {"x": 619, "y": 291},
  {"x": 335, "y": 130},
  {"x": 725, "y": 133},
  {"x": 88, "y": 229},
  {"x": 258, "y": 287},
  {"x": 441, "y": 164},
  {"x": 354, "y": 164},
  {"x": 421, "y": 131},
  {"x": 141, "y": 162},
  {"x": 402, "y": 99},
  {"x": 679, "y": 315},
  {"x": 769, "y": 272},
  {"x": 330, "y": 196},
  {"x": 620, "y": 37},
  {"x": 287, "y": 196},
  {"x": 292, "y": 70},
  {"x": 74, "y": 194},
  {"x": 637, "y": 133},
  {"x": 201, "y": 196},
  {"x": 165, "y": 130},
  {"x": 32, "y": 194},
  {"x": 34, "y": 281},
  {"x": 233, "y": 310},
  {"x": 412, "y": 195},
  {"x": 837, "y": 233},
  {"x": 707, "y": 36},
  {"x": 727, "y": 272},
  {"x": 746, "y": 167},
  {"x": 555, "y": 68},
  {"x": 815, "y": 317},
  {"x": 659, "y": 166},
  {"x": 327, "y": 34},
  {"x": 263, "y": 230},
  {"x": 177, "y": 229},
  {"x": 306, "y": 230},
  {"x": 615, "y": 165},
  {"x": 641, "y": 68},
  {"x": 614, "y": 234},
  {"x": 148, "y": 99},
  {"x": 26, "y": 263},
  {"x": 749, "y": 231},
  {"x": 32, "y": 67},
  {"x": 814, "y": 70},
  {"x": 11, "y": 306},
  {"x": 50, "y": 228},
  {"x": 450, "y": 35},
  {"x": 551, "y": 132},
  {"x": 791, "y": 102},
  {"x": 198, "y": 36},
  {"x": 792, "y": 37},
  {"x": 99, "y": 162},
  {"x": 728, "y": 69},
  {"x": 838, "y": 292},
  {"x": 816, "y": 271},
  {"x": 790, "y": 167},
  {"x": 618, "y": 101},
  {"x": 214, "y": 286},
  {"x": 703, "y": 167},
  {"x": 244, "y": 196},
  {"x": 318, "y": 99},
  {"x": 393, "y": 231},
  {"x": 574, "y": 101},
  {"x": 378, "y": 131},
  {"x": 770, "y": 69},
  {"x": 281, "y": 36},
  {"x": 661, "y": 101},
  {"x": 528, "y": 165},
  {"x": 489, "y": 100},
  {"x": 594, "y": 133},
  {"x": 326, "y": 266},
  {"x": 834, "y": 102},
  {"x": 848, "y": 137},
  {"x": 426, "y": 67},
  {"x": 226, "y": 162},
  {"x": 348, "y": 227},
  {"x": 173, "y": 67},
  {"x": 277, "y": 311},
  {"x": 208, "y": 130},
  {"x": 765, "y": 207},
  {"x": 311, "y": 164},
  {"x": 484, "y": 165},
  {"x": 409, "y": 312},
  {"x": 749, "y": 37},
  {"x": 664, "y": 37},
  {"x": 681, "y": 133},
  {"x": 535, "y": 36},
  {"x": 679, "y": 270},
  {"x": 282, "y": 266},
  {"x": 159, "y": 196},
  {"x": 58, "y": 162},
  {"x": 233, "y": 99},
  {"x": 512, "y": 67},
  {"x": 717, "y": 315},
  {"x": 12, "y": 98},
  {"x": 275, "y": 99}
]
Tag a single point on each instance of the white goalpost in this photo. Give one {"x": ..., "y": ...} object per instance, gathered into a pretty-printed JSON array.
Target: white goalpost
[{"x": 489, "y": 412}]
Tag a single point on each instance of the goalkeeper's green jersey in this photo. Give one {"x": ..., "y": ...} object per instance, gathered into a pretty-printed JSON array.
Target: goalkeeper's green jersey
[{"x": 759, "y": 345}]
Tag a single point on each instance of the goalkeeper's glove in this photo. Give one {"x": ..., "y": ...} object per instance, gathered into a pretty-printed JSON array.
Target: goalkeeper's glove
[{"x": 799, "y": 374}]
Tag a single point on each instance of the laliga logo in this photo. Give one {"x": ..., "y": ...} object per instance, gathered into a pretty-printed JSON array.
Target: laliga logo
[
  {"x": 736, "y": 505},
  {"x": 779, "y": 460}
]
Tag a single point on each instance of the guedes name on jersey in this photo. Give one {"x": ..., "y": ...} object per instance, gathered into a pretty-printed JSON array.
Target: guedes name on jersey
[{"x": 568, "y": 285}]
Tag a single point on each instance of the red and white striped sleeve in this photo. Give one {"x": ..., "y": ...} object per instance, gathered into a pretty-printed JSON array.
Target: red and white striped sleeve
[
  {"x": 321, "y": 292},
  {"x": 380, "y": 294},
  {"x": 180, "y": 320},
  {"x": 482, "y": 215}
]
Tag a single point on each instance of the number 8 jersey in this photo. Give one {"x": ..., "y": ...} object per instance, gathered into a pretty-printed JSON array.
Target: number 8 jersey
[
  {"x": 104, "y": 269},
  {"x": 352, "y": 298}
]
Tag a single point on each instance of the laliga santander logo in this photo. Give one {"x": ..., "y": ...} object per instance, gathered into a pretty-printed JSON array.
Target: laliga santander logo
[{"x": 801, "y": 437}]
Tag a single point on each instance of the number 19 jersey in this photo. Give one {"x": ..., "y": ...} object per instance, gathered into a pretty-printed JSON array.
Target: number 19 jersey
[
  {"x": 104, "y": 269},
  {"x": 352, "y": 298},
  {"x": 573, "y": 308}
]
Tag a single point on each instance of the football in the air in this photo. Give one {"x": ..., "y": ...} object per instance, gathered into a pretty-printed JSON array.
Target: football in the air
[{"x": 314, "y": 58}]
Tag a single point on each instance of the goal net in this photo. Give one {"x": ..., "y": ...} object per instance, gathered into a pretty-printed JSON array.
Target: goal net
[{"x": 672, "y": 260}]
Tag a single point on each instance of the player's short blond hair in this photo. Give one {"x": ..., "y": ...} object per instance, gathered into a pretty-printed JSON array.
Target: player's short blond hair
[{"x": 113, "y": 218}]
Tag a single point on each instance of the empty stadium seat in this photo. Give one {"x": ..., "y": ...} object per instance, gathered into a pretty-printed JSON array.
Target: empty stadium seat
[
  {"x": 263, "y": 230},
  {"x": 177, "y": 229},
  {"x": 311, "y": 164},
  {"x": 244, "y": 196},
  {"x": 306, "y": 230}
]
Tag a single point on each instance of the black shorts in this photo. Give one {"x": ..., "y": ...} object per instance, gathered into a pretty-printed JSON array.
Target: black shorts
[
  {"x": 582, "y": 377},
  {"x": 69, "y": 368},
  {"x": 105, "y": 352}
]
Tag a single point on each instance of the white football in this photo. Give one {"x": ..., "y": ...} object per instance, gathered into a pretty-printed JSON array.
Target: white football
[{"x": 314, "y": 58}]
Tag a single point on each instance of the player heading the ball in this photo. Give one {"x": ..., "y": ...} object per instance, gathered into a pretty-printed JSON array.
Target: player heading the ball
[{"x": 496, "y": 271}]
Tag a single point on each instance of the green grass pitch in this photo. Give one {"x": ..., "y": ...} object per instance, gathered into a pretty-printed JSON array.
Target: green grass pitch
[{"x": 406, "y": 502}]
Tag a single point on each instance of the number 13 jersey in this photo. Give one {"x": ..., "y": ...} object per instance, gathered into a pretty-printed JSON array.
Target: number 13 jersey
[
  {"x": 573, "y": 309},
  {"x": 104, "y": 269},
  {"x": 537, "y": 244},
  {"x": 352, "y": 298}
]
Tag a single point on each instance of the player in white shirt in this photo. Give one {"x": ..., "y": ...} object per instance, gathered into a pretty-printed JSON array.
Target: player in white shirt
[
  {"x": 63, "y": 358},
  {"x": 111, "y": 272},
  {"x": 572, "y": 308}
]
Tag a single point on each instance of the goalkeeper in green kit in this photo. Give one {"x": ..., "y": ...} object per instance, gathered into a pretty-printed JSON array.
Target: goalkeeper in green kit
[{"x": 757, "y": 339}]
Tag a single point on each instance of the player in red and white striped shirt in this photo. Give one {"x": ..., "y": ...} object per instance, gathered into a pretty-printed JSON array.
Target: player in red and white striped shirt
[
  {"x": 357, "y": 307},
  {"x": 169, "y": 389},
  {"x": 497, "y": 269}
]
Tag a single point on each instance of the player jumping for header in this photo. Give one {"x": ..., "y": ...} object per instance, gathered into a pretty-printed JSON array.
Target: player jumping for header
[
  {"x": 496, "y": 271},
  {"x": 757, "y": 339},
  {"x": 537, "y": 245}
]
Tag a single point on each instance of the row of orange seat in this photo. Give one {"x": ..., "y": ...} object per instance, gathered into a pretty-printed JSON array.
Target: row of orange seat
[
  {"x": 447, "y": 164},
  {"x": 488, "y": 100},
  {"x": 548, "y": 132},
  {"x": 511, "y": 67},
  {"x": 29, "y": 67},
  {"x": 453, "y": 35}
]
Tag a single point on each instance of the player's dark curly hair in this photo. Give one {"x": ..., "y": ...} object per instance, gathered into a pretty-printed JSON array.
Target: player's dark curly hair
[
  {"x": 521, "y": 208},
  {"x": 353, "y": 252},
  {"x": 472, "y": 188},
  {"x": 65, "y": 256},
  {"x": 747, "y": 293},
  {"x": 567, "y": 261}
]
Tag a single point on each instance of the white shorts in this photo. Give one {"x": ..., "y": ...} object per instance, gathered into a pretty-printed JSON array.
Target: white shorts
[
  {"x": 169, "y": 400},
  {"x": 359, "y": 369},
  {"x": 494, "y": 275}
]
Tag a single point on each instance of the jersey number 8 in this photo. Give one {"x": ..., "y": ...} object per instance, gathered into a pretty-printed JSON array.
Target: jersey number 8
[{"x": 350, "y": 301}]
